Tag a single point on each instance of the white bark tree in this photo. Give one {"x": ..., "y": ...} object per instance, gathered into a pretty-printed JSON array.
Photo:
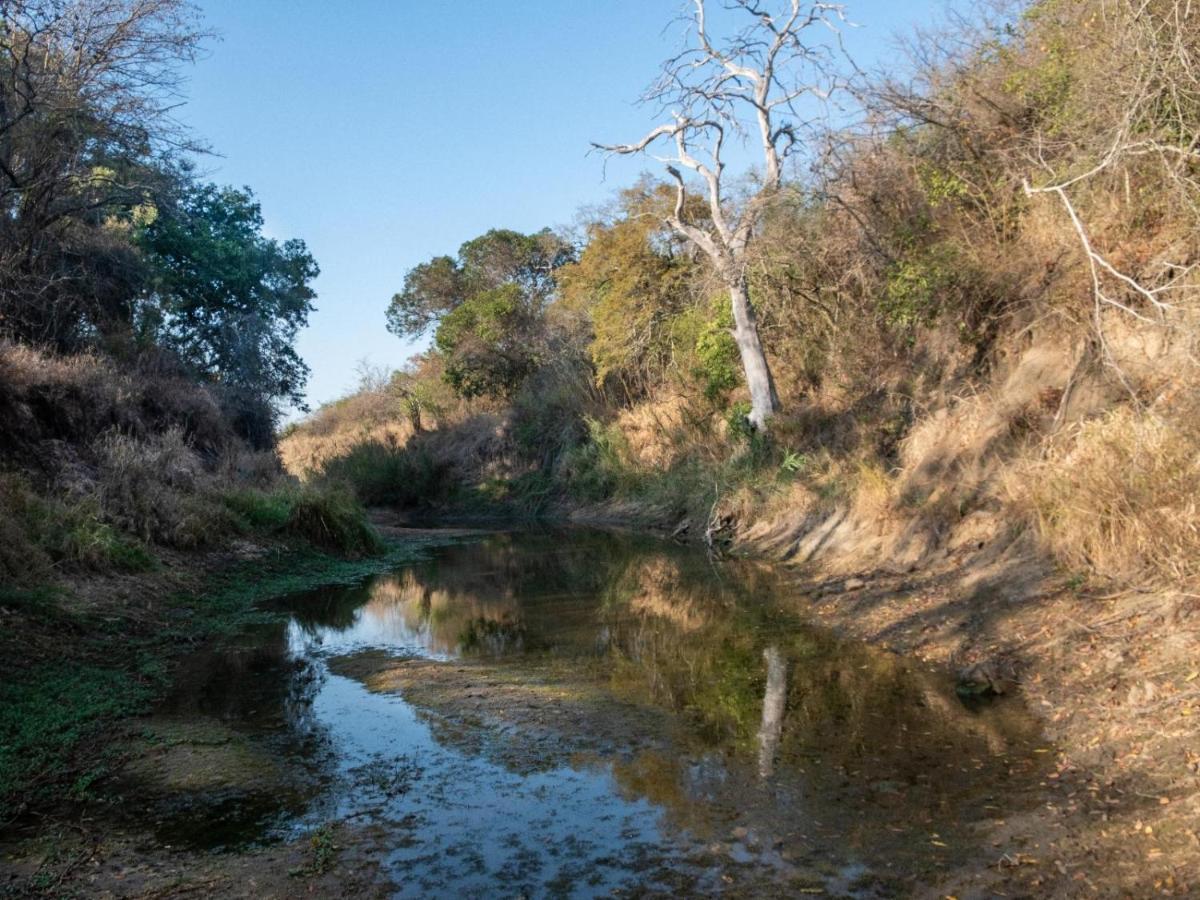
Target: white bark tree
[{"x": 758, "y": 82}]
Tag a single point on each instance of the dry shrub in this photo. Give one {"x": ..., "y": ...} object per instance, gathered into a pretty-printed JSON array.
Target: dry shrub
[
  {"x": 77, "y": 398},
  {"x": 1118, "y": 495},
  {"x": 243, "y": 467},
  {"x": 153, "y": 488},
  {"x": 478, "y": 447},
  {"x": 874, "y": 492}
]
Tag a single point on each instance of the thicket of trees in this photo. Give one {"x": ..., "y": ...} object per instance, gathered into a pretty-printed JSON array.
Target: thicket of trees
[
  {"x": 1030, "y": 176},
  {"x": 1033, "y": 155},
  {"x": 108, "y": 240}
]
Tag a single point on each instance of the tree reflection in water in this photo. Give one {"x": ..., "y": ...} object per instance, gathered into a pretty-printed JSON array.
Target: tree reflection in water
[
  {"x": 727, "y": 710},
  {"x": 726, "y": 648}
]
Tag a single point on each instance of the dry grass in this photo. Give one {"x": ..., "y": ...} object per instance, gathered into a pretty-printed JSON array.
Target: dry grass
[
  {"x": 155, "y": 488},
  {"x": 1118, "y": 495},
  {"x": 306, "y": 452}
]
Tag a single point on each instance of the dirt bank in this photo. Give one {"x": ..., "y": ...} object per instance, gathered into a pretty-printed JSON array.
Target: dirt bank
[{"x": 1114, "y": 674}]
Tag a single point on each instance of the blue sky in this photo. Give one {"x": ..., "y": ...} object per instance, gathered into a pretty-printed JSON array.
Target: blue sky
[{"x": 383, "y": 133}]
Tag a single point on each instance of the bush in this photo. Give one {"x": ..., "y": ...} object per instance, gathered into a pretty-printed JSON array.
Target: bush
[
  {"x": 332, "y": 518},
  {"x": 151, "y": 489},
  {"x": 599, "y": 467},
  {"x": 37, "y": 533},
  {"x": 259, "y": 510},
  {"x": 327, "y": 516},
  {"x": 388, "y": 475}
]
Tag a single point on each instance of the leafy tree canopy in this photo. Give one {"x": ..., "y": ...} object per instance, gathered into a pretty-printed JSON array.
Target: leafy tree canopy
[
  {"x": 632, "y": 279},
  {"x": 224, "y": 297},
  {"x": 499, "y": 257},
  {"x": 485, "y": 307}
]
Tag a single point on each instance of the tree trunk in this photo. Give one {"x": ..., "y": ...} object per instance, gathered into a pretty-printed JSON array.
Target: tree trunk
[{"x": 764, "y": 402}]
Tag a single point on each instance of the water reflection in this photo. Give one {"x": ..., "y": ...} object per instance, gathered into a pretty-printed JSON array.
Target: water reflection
[
  {"x": 732, "y": 726},
  {"x": 774, "y": 701}
]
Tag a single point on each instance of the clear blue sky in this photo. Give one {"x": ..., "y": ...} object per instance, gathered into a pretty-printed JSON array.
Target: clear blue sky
[{"x": 383, "y": 132}]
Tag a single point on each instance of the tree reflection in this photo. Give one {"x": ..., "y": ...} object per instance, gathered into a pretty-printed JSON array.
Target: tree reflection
[{"x": 774, "y": 701}]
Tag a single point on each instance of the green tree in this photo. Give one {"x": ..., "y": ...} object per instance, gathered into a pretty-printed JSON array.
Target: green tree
[
  {"x": 632, "y": 279},
  {"x": 485, "y": 306},
  {"x": 230, "y": 301}
]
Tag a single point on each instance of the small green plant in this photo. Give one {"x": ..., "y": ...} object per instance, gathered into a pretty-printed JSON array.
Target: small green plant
[
  {"x": 794, "y": 463},
  {"x": 918, "y": 286},
  {"x": 718, "y": 366},
  {"x": 323, "y": 849},
  {"x": 738, "y": 420}
]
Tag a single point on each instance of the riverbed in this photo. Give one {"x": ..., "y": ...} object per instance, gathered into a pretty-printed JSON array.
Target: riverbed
[{"x": 577, "y": 713}]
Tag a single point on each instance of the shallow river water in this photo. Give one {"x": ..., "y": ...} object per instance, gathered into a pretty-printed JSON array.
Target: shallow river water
[{"x": 582, "y": 714}]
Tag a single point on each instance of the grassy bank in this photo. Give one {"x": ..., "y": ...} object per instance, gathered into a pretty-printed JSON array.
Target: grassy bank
[{"x": 83, "y": 658}]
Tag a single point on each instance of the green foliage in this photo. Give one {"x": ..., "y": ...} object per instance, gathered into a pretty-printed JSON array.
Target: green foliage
[
  {"x": 1045, "y": 84},
  {"x": 388, "y": 475},
  {"x": 323, "y": 848},
  {"x": 794, "y": 463},
  {"x": 327, "y": 516},
  {"x": 38, "y": 532},
  {"x": 738, "y": 421},
  {"x": 486, "y": 307},
  {"x": 331, "y": 517},
  {"x": 940, "y": 185},
  {"x": 88, "y": 139},
  {"x": 259, "y": 510},
  {"x": 486, "y": 342},
  {"x": 431, "y": 290},
  {"x": 86, "y": 540},
  {"x": 630, "y": 281},
  {"x": 230, "y": 301},
  {"x": 45, "y": 713},
  {"x": 597, "y": 468},
  {"x": 919, "y": 286},
  {"x": 717, "y": 363},
  {"x": 500, "y": 257}
]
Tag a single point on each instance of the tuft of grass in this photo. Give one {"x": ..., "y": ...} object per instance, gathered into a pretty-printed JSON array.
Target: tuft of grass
[
  {"x": 265, "y": 511},
  {"x": 1119, "y": 496},
  {"x": 327, "y": 516},
  {"x": 38, "y": 533},
  {"x": 331, "y": 517}
]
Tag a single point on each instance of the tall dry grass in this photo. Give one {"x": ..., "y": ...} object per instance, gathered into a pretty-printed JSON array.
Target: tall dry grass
[{"x": 1118, "y": 495}]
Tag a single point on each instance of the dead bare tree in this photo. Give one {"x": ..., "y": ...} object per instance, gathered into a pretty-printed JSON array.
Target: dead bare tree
[{"x": 761, "y": 80}]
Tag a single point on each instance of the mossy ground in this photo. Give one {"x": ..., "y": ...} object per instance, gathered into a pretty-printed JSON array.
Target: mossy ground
[{"x": 75, "y": 666}]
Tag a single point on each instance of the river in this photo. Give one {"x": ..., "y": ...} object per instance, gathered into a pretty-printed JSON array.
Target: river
[{"x": 578, "y": 713}]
